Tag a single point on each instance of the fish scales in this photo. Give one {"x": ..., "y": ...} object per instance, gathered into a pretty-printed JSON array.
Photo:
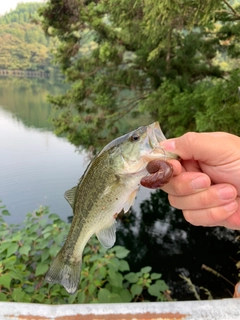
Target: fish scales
[
  {"x": 88, "y": 199},
  {"x": 108, "y": 186}
]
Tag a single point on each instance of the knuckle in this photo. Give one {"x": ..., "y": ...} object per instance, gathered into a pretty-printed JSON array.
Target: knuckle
[
  {"x": 190, "y": 217},
  {"x": 172, "y": 200},
  {"x": 204, "y": 200},
  {"x": 179, "y": 185},
  {"x": 213, "y": 215},
  {"x": 190, "y": 138}
]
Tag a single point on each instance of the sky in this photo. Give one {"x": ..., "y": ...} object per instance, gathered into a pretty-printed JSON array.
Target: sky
[{"x": 7, "y": 5}]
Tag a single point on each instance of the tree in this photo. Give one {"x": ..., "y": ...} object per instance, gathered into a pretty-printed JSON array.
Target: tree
[
  {"x": 138, "y": 58},
  {"x": 24, "y": 45}
]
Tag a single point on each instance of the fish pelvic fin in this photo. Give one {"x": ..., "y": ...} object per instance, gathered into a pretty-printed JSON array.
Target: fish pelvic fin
[
  {"x": 107, "y": 235},
  {"x": 65, "y": 273}
]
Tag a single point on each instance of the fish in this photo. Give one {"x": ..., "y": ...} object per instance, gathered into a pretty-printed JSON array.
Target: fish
[{"x": 108, "y": 186}]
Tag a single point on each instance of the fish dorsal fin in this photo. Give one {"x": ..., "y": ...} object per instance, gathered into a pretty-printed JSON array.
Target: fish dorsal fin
[
  {"x": 69, "y": 195},
  {"x": 107, "y": 235}
]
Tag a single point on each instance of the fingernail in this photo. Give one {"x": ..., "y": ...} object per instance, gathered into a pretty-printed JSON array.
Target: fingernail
[
  {"x": 226, "y": 193},
  {"x": 168, "y": 145},
  {"x": 200, "y": 183},
  {"x": 231, "y": 207}
]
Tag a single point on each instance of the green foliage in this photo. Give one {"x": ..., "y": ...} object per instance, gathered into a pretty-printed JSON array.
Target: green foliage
[
  {"x": 27, "y": 250},
  {"x": 176, "y": 62},
  {"x": 24, "y": 45},
  {"x": 24, "y": 12}
]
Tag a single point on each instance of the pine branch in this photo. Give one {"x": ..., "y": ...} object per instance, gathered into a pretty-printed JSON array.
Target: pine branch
[
  {"x": 231, "y": 8},
  {"x": 216, "y": 274},
  {"x": 191, "y": 286},
  {"x": 233, "y": 12}
]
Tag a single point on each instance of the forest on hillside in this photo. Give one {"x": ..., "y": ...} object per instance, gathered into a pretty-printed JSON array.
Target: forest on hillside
[{"x": 23, "y": 44}]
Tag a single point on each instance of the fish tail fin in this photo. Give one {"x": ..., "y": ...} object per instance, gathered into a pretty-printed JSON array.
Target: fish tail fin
[{"x": 65, "y": 273}]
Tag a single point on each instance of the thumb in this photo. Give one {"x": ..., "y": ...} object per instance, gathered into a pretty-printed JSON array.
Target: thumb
[{"x": 205, "y": 147}]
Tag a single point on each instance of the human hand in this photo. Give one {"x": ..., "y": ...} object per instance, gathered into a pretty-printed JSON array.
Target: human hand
[{"x": 206, "y": 182}]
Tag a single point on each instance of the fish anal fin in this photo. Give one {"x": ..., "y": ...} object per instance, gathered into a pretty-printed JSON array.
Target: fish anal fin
[
  {"x": 107, "y": 235},
  {"x": 69, "y": 195},
  {"x": 130, "y": 201}
]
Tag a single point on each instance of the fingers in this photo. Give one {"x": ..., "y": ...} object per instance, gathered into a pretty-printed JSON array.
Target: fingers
[
  {"x": 177, "y": 167},
  {"x": 214, "y": 196},
  {"x": 206, "y": 147},
  {"x": 233, "y": 221},
  {"x": 225, "y": 215},
  {"x": 187, "y": 183},
  {"x": 204, "y": 204},
  {"x": 206, "y": 158}
]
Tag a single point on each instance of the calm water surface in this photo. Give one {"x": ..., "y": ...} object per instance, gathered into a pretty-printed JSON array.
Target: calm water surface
[{"x": 36, "y": 167}]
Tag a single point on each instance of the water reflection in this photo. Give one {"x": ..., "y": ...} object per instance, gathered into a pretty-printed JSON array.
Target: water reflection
[
  {"x": 160, "y": 237},
  {"x": 36, "y": 166},
  {"x": 26, "y": 99}
]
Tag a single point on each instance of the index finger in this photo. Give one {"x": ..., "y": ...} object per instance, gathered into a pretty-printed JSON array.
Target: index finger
[
  {"x": 177, "y": 167},
  {"x": 187, "y": 183},
  {"x": 206, "y": 147}
]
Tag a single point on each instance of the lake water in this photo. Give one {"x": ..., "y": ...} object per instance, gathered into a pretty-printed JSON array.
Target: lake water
[{"x": 36, "y": 166}]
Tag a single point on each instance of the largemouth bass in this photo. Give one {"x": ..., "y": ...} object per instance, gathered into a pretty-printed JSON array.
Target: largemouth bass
[{"x": 108, "y": 186}]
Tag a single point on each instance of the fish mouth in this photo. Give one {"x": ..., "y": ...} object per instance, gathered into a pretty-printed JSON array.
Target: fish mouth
[
  {"x": 150, "y": 149},
  {"x": 155, "y": 134},
  {"x": 154, "y": 137}
]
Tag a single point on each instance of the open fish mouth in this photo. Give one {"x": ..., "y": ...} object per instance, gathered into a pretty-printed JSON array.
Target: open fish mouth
[
  {"x": 155, "y": 134},
  {"x": 154, "y": 137}
]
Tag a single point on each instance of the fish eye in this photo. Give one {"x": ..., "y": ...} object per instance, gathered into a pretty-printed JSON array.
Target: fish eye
[{"x": 135, "y": 137}]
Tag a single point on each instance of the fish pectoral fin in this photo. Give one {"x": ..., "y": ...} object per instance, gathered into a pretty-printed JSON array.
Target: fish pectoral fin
[
  {"x": 107, "y": 236},
  {"x": 69, "y": 195},
  {"x": 130, "y": 200}
]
